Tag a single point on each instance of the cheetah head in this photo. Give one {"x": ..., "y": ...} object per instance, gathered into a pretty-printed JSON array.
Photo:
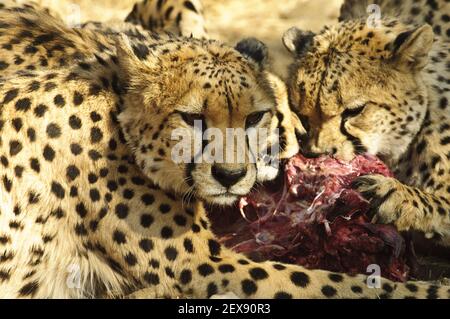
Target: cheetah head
[
  {"x": 195, "y": 91},
  {"x": 359, "y": 89}
]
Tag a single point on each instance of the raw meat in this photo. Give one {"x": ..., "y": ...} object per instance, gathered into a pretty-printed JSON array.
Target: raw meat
[{"x": 317, "y": 220}]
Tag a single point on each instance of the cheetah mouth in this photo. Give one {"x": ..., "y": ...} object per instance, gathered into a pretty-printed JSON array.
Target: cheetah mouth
[
  {"x": 225, "y": 199},
  {"x": 311, "y": 216}
]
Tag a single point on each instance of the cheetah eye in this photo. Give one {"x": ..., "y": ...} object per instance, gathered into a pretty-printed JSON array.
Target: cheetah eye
[
  {"x": 190, "y": 118},
  {"x": 353, "y": 111},
  {"x": 254, "y": 118}
]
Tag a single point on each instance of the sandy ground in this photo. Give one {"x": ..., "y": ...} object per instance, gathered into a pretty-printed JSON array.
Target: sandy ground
[{"x": 229, "y": 20}]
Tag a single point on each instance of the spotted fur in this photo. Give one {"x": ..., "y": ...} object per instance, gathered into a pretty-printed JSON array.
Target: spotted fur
[
  {"x": 82, "y": 212},
  {"x": 179, "y": 16},
  {"x": 383, "y": 90}
]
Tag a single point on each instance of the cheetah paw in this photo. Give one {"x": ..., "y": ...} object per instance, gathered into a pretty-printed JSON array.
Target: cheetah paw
[{"x": 386, "y": 196}]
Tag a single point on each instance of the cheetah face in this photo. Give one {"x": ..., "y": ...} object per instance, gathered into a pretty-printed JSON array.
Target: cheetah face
[
  {"x": 184, "y": 99},
  {"x": 359, "y": 89}
]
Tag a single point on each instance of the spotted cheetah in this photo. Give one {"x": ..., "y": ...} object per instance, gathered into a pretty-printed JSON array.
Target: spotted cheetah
[
  {"x": 178, "y": 16},
  {"x": 416, "y": 12},
  {"x": 88, "y": 189},
  {"x": 382, "y": 88}
]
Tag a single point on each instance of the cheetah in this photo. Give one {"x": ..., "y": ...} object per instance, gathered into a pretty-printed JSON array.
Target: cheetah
[
  {"x": 382, "y": 88},
  {"x": 177, "y": 16},
  {"x": 88, "y": 186}
]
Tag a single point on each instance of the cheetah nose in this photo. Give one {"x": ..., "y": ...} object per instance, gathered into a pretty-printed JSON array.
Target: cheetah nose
[{"x": 228, "y": 177}]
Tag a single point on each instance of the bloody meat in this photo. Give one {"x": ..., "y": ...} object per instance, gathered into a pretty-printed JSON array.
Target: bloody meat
[{"x": 315, "y": 219}]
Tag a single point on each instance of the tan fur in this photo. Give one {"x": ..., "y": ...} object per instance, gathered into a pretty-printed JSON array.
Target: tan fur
[
  {"x": 382, "y": 90},
  {"x": 74, "y": 197}
]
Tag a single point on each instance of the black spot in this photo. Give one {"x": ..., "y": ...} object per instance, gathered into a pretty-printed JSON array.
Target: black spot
[
  {"x": 119, "y": 237},
  {"x": 76, "y": 149},
  {"x": 77, "y": 98},
  {"x": 96, "y": 135},
  {"x": 128, "y": 194},
  {"x": 95, "y": 89},
  {"x": 92, "y": 178},
  {"x": 188, "y": 246},
  {"x": 328, "y": 291},
  {"x": 34, "y": 164},
  {"x": 4, "y": 161},
  {"x": 7, "y": 183},
  {"x": 185, "y": 276},
  {"x": 282, "y": 295},
  {"x": 356, "y": 289},
  {"x": 14, "y": 147},
  {"x": 151, "y": 278},
  {"x": 195, "y": 228},
  {"x": 258, "y": 273},
  {"x": 205, "y": 270},
  {"x": 138, "y": 181},
  {"x": 146, "y": 245},
  {"x": 29, "y": 289},
  {"x": 94, "y": 155},
  {"x": 75, "y": 122},
  {"x": 214, "y": 247},
  {"x": 336, "y": 277},
  {"x": 148, "y": 199},
  {"x": 40, "y": 110},
  {"x": 49, "y": 153},
  {"x": 279, "y": 267},
  {"x": 3, "y": 65},
  {"x": 166, "y": 232},
  {"x": 432, "y": 292},
  {"x": 23, "y": 104},
  {"x": 112, "y": 186},
  {"x": 141, "y": 51},
  {"x": 73, "y": 191},
  {"x": 180, "y": 220},
  {"x": 10, "y": 95},
  {"x": 58, "y": 190},
  {"x": 72, "y": 172},
  {"x": 445, "y": 140},
  {"x": 147, "y": 220},
  {"x": 121, "y": 211},
  {"x": 53, "y": 130},
  {"x": 95, "y": 117},
  {"x": 59, "y": 100},
  {"x": 249, "y": 287},
  {"x": 411, "y": 287},
  {"x": 131, "y": 259},
  {"x": 18, "y": 171},
  {"x": 300, "y": 279},
  {"x": 164, "y": 208},
  {"x": 212, "y": 289},
  {"x": 443, "y": 103},
  {"x": 31, "y": 133},
  {"x": 81, "y": 210},
  {"x": 33, "y": 198},
  {"x": 94, "y": 194},
  {"x": 154, "y": 263},
  {"x": 171, "y": 253},
  {"x": 17, "y": 124}
]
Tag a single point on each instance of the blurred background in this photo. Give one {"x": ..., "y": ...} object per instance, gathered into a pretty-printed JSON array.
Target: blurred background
[{"x": 229, "y": 20}]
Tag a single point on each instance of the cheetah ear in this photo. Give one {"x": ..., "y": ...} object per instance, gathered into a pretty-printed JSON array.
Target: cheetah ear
[
  {"x": 298, "y": 42},
  {"x": 410, "y": 49},
  {"x": 136, "y": 62},
  {"x": 149, "y": 85},
  {"x": 254, "y": 50}
]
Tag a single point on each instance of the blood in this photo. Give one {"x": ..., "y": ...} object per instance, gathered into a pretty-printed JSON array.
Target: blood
[{"x": 315, "y": 219}]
